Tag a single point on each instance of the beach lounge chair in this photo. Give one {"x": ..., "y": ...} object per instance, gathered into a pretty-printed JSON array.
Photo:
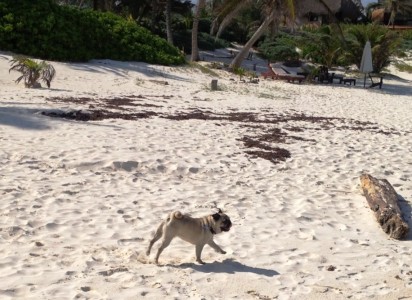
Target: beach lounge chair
[
  {"x": 349, "y": 81},
  {"x": 324, "y": 75},
  {"x": 374, "y": 82},
  {"x": 277, "y": 72}
]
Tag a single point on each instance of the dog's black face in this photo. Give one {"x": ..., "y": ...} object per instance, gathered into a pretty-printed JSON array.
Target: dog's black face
[
  {"x": 226, "y": 223},
  {"x": 224, "y": 220}
]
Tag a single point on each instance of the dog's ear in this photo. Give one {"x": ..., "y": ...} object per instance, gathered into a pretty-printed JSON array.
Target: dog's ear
[{"x": 216, "y": 216}]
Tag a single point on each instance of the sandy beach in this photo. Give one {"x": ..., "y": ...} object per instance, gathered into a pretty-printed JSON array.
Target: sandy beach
[{"x": 83, "y": 195}]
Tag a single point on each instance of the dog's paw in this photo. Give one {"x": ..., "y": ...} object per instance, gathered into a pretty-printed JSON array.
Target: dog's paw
[
  {"x": 200, "y": 261},
  {"x": 223, "y": 252}
]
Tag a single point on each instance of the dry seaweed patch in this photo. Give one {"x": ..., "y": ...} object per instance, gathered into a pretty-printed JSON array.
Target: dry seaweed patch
[
  {"x": 273, "y": 154},
  {"x": 98, "y": 115},
  {"x": 104, "y": 108},
  {"x": 116, "y": 102},
  {"x": 263, "y": 142}
]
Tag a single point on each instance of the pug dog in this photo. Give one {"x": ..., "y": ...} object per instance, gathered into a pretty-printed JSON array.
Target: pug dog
[{"x": 197, "y": 231}]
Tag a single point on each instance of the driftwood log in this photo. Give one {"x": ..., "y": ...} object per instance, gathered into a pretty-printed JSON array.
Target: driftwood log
[{"x": 383, "y": 201}]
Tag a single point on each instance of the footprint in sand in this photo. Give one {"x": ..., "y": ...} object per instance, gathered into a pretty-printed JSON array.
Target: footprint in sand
[
  {"x": 126, "y": 242},
  {"x": 13, "y": 232},
  {"x": 128, "y": 166}
]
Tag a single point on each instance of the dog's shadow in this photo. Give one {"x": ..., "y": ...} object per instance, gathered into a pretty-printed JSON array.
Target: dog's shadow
[{"x": 229, "y": 266}]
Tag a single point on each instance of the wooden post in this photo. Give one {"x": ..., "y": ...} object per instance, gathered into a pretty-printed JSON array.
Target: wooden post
[
  {"x": 214, "y": 85},
  {"x": 383, "y": 201}
]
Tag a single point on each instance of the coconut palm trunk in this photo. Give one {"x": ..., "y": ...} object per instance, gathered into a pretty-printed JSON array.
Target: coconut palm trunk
[
  {"x": 195, "y": 31},
  {"x": 229, "y": 16},
  {"x": 168, "y": 17},
  {"x": 270, "y": 8},
  {"x": 243, "y": 53},
  {"x": 335, "y": 20},
  {"x": 394, "y": 7},
  {"x": 228, "y": 19},
  {"x": 100, "y": 5}
]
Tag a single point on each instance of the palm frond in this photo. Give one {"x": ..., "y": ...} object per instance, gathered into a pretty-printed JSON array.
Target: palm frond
[
  {"x": 47, "y": 74},
  {"x": 32, "y": 71}
]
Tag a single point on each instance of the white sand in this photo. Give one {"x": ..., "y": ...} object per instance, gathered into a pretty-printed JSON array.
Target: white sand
[{"x": 80, "y": 200}]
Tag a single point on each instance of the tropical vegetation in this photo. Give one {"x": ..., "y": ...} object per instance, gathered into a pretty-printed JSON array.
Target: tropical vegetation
[
  {"x": 160, "y": 31},
  {"x": 50, "y": 31},
  {"x": 324, "y": 47},
  {"x": 32, "y": 71},
  {"x": 384, "y": 42},
  {"x": 391, "y": 8}
]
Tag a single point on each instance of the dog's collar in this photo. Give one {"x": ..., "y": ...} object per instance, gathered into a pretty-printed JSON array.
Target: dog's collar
[{"x": 210, "y": 228}]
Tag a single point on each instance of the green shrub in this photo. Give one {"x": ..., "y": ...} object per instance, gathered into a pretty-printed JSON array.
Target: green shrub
[
  {"x": 407, "y": 35},
  {"x": 406, "y": 40},
  {"x": 50, "y": 31},
  {"x": 280, "y": 53},
  {"x": 403, "y": 67},
  {"x": 183, "y": 40},
  {"x": 321, "y": 45},
  {"x": 384, "y": 42},
  {"x": 239, "y": 71},
  {"x": 282, "y": 48}
]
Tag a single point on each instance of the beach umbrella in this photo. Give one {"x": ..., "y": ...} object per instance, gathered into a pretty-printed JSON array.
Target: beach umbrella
[{"x": 366, "y": 62}]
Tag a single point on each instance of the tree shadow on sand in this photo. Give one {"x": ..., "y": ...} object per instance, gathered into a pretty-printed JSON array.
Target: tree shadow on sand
[
  {"x": 123, "y": 68},
  {"x": 393, "y": 89},
  {"x": 23, "y": 118},
  {"x": 229, "y": 266}
]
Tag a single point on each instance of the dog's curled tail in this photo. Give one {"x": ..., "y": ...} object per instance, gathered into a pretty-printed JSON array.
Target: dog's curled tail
[{"x": 177, "y": 215}]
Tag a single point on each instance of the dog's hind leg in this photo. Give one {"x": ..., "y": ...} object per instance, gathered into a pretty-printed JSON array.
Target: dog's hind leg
[
  {"x": 157, "y": 236},
  {"x": 166, "y": 242}
]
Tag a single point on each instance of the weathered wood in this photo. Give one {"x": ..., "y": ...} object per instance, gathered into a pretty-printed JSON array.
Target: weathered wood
[
  {"x": 383, "y": 201},
  {"x": 213, "y": 85}
]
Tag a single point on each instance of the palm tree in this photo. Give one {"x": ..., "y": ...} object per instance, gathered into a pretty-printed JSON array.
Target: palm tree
[
  {"x": 395, "y": 6},
  {"x": 385, "y": 43},
  {"x": 195, "y": 29},
  {"x": 168, "y": 17},
  {"x": 271, "y": 9},
  {"x": 334, "y": 19},
  {"x": 228, "y": 11},
  {"x": 32, "y": 71}
]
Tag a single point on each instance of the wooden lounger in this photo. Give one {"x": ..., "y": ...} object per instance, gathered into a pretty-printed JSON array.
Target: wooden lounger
[
  {"x": 276, "y": 72},
  {"x": 376, "y": 83}
]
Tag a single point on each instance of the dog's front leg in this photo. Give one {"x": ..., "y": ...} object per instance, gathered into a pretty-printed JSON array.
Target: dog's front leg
[
  {"x": 199, "y": 248},
  {"x": 215, "y": 246}
]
